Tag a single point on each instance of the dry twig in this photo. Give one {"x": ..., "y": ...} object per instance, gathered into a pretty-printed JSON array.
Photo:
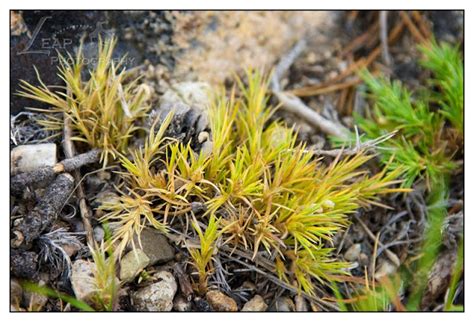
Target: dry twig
[
  {"x": 383, "y": 37},
  {"x": 356, "y": 66},
  {"x": 284, "y": 285},
  {"x": 367, "y": 146},
  {"x": 20, "y": 181},
  {"x": 294, "y": 105},
  {"x": 421, "y": 21},
  {"x": 391, "y": 255},
  {"x": 412, "y": 27},
  {"x": 360, "y": 40},
  {"x": 69, "y": 152}
]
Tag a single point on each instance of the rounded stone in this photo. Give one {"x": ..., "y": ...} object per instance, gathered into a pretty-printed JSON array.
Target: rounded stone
[{"x": 157, "y": 297}]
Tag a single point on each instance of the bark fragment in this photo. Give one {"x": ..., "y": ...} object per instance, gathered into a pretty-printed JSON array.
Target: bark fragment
[{"x": 45, "y": 212}]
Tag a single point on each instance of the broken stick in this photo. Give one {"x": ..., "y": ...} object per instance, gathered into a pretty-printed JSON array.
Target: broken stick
[
  {"x": 295, "y": 105},
  {"x": 21, "y": 181},
  {"x": 70, "y": 151}
]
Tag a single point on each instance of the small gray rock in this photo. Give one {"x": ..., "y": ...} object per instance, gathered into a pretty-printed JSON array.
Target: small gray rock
[
  {"x": 106, "y": 197},
  {"x": 82, "y": 279},
  {"x": 256, "y": 304},
  {"x": 194, "y": 94},
  {"x": 25, "y": 158},
  {"x": 363, "y": 259},
  {"x": 157, "y": 296},
  {"x": 352, "y": 254},
  {"x": 99, "y": 234},
  {"x": 132, "y": 264},
  {"x": 203, "y": 136},
  {"x": 155, "y": 245}
]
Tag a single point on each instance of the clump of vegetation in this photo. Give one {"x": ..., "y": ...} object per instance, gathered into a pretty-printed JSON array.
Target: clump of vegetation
[
  {"x": 103, "y": 105},
  {"x": 263, "y": 192},
  {"x": 429, "y": 125},
  {"x": 429, "y": 141},
  {"x": 106, "y": 282}
]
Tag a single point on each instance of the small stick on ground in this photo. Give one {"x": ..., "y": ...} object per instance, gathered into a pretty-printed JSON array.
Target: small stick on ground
[
  {"x": 388, "y": 252},
  {"x": 44, "y": 213},
  {"x": 349, "y": 71},
  {"x": 284, "y": 285},
  {"x": 306, "y": 91},
  {"x": 421, "y": 22},
  {"x": 383, "y": 37},
  {"x": 294, "y": 105},
  {"x": 350, "y": 101},
  {"x": 341, "y": 102},
  {"x": 183, "y": 280},
  {"x": 21, "y": 181},
  {"x": 367, "y": 146},
  {"x": 374, "y": 257},
  {"x": 285, "y": 63},
  {"x": 356, "y": 66},
  {"x": 412, "y": 27},
  {"x": 360, "y": 40},
  {"x": 69, "y": 151}
]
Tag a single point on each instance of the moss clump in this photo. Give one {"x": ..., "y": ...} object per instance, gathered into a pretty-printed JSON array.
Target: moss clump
[
  {"x": 429, "y": 122},
  {"x": 429, "y": 140},
  {"x": 103, "y": 107},
  {"x": 263, "y": 192}
]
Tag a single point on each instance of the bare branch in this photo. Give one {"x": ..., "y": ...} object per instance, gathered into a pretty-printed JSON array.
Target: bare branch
[
  {"x": 296, "y": 106},
  {"x": 367, "y": 146},
  {"x": 20, "y": 181},
  {"x": 383, "y": 37},
  {"x": 69, "y": 151}
]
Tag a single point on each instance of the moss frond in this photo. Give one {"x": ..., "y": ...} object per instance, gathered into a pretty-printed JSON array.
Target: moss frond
[
  {"x": 106, "y": 283},
  {"x": 203, "y": 255}
]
